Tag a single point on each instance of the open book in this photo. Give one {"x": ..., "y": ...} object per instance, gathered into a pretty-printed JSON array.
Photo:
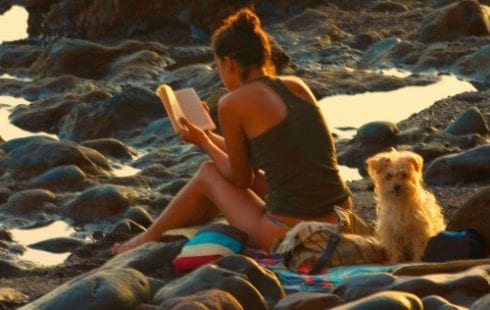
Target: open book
[{"x": 184, "y": 102}]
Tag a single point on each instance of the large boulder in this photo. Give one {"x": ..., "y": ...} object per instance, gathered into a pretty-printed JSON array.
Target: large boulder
[
  {"x": 129, "y": 110},
  {"x": 463, "y": 18},
  {"x": 106, "y": 289},
  {"x": 35, "y": 156}
]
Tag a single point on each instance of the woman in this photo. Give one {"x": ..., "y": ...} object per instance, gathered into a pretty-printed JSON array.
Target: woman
[{"x": 269, "y": 124}]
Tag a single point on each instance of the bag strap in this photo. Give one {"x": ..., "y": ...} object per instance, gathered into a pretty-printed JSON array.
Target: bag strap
[{"x": 327, "y": 254}]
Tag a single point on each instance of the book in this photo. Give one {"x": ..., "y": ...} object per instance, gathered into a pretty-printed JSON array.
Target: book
[{"x": 184, "y": 102}]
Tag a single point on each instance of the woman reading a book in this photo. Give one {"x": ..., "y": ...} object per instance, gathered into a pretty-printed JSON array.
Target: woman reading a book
[{"x": 275, "y": 164}]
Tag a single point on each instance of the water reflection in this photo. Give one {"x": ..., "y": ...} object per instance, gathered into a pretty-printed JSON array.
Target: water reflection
[
  {"x": 30, "y": 236},
  {"x": 344, "y": 111},
  {"x": 13, "y": 24},
  {"x": 8, "y": 130}
]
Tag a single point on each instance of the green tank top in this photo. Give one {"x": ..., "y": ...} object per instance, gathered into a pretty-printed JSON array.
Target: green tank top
[{"x": 299, "y": 159}]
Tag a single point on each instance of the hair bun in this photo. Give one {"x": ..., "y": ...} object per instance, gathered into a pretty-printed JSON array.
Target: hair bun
[{"x": 246, "y": 21}]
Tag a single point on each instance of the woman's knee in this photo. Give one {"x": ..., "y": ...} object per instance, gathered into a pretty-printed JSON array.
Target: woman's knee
[{"x": 207, "y": 171}]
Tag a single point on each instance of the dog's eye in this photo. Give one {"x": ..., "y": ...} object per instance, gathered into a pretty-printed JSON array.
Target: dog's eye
[
  {"x": 403, "y": 175},
  {"x": 388, "y": 176}
]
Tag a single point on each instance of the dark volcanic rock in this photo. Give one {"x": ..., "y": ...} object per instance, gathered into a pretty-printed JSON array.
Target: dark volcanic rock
[
  {"x": 107, "y": 289},
  {"x": 470, "y": 121},
  {"x": 385, "y": 300},
  {"x": 100, "y": 202},
  {"x": 39, "y": 155},
  {"x": 58, "y": 245},
  {"x": 469, "y": 166},
  {"x": 131, "y": 109},
  {"x": 18, "y": 54},
  {"x": 308, "y": 300},
  {"x": 110, "y": 147},
  {"x": 464, "y": 18},
  {"x": 61, "y": 178},
  {"x": 207, "y": 299},
  {"x": 474, "y": 214},
  {"x": 31, "y": 200},
  {"x": 475, "y": 66}
]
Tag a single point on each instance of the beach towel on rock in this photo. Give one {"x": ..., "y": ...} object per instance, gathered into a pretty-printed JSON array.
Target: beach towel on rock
[{"x": 211, "y": 243}]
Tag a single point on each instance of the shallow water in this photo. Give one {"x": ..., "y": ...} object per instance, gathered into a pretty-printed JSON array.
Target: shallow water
[
  {"x": 29, "y": 236},
  {"x": 13, "y": 24}
]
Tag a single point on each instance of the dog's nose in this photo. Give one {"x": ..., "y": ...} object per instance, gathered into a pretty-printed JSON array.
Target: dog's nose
[{"x": 397, "y": 188}]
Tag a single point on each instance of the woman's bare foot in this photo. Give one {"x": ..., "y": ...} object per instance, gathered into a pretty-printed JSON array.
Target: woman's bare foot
[{"x": 132, "y": 243}]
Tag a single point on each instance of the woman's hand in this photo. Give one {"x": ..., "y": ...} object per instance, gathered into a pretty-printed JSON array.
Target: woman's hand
[{"x": 192, "y": 133}]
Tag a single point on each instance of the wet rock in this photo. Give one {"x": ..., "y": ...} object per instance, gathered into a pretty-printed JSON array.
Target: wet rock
[
  {"x": 474, "y": 214},
  {"x": 362, "y": 41},
  {"x": 61, "y": 178},
  {"x": 110, "y": 147},
  {"x": 84, "y": 59},
  {"x": 115, "y": 289},
  {"x": 199, "y": 76},
  {"x": 4, "y": 194},
  {"x": 5, "y": 234},
  {"x": 13, "y": 144},
  {"x": 470, "y": 121},
  {"x": 482, "y": 303},
  {"x": 139, "y": 215},
  {"x": 43, "y": 115},
  {"x": 129, "y": 110},
  {"x": 308, "y": 300},
  {"x": 41, "y": 89},
  {"x": 58, "y": 245},
  {"x": 377, "y": 132},
  {"x": 14, "y": 268},
  {"x": 207, "y": 299},
  {"x": 127, "y": 226},
  {"x": 213, "y": 277},
  {"x": 150, "y": 258},
  {"x": 471, "y": 165},
  {"x": 186, "y": 55},
  {"x": 474, "y": 66},
  {"x": 386, "y": 300},
  {"x": 18, "y": 54},
  {"x": 264, "y": 280},
  {"x": 39, "y": 155},
  {"x": 464, "y": 18},
  {"x": 100, "y": 202},
  {"x": 11, "y": 297},
  {"x": 434, "y": 302},
  {"x": 461, "y": 288},
  {"x": 389, "y": 6},
  {"x": 31, "y": 200}
]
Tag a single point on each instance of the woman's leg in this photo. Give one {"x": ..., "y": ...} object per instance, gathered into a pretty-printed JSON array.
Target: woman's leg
[{"x": 207, "y": 194}]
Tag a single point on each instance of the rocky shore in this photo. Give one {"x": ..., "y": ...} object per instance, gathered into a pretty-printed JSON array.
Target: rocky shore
[{"x": 89, "y": 70}]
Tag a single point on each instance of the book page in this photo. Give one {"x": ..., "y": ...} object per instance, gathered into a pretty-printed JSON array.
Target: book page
[
  {"x": 171, "y": 105},
  {"x": 192, "y": 108}
]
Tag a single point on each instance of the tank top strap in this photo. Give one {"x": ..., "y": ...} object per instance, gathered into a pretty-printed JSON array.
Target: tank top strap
[{"x": 278, "y": 86}]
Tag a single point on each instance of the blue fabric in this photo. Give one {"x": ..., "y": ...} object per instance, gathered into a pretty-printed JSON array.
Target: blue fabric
[{"x": 216, "y": 238}]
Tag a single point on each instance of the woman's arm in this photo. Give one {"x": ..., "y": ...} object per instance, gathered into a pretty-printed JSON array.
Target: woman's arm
[{"x": 217, "y": 139}]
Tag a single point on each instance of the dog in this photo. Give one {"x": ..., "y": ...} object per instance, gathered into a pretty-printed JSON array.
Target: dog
[{"x": 408, "y": 215}]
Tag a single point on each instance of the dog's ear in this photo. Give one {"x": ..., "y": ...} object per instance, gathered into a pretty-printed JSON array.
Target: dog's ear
[
  {"x": 415, "y": 160},
  {"x": 376, "y": 163}
]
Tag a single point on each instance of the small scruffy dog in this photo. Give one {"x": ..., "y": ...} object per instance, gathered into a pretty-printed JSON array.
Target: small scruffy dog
[{"x": 407, "y": 214}]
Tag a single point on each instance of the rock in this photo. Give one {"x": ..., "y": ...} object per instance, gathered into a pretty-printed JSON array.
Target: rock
[
  {"x": 211, "y": 276},
  {"x": 58, "y": 245},
  {"x": 389, "y": 6},
  {"x": 127, "y": 226},
  {"x": 131, "y": 109},
  {"x": 463, "y": 18},
  {"x": 150, "y": 258},
  {"x": 12, "y": 144},
  {"x": 18, "y": 54},
  {"x": 31, "y": 200},
  {"x": 39, "y": 155},
  {"x": 45, "y": 88},
  {"x": 61, "y": 178},
  {"x": 468, "y": 166},
  {"x": 207, "y": 299},
  {"x": 474, "y": 214},
  {"x": 10, "y": 297},
  {"x": 100, "y": 202},
  {"x": 482, "y": 303},
  {"x": 377, "y": 133},
  {"x": 438, "y": 303},
  {"x": 264, "y": 280},
  {"x": 385, "y": 300},
  {"x": 474, "y": 66},
  {"x": 84, "y": 59},
  {"x": 307, "y": 301},
  {"x": 105, "y": 289},
  {"x": 139, "y": 215},
  {"x": 461, "y": 288},
  {"x": 470, "y": 121},
  {"x": 110, "y": 147}
]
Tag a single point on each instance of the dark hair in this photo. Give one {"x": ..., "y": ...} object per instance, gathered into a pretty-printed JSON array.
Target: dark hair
[{"x": 242, "y": 37}]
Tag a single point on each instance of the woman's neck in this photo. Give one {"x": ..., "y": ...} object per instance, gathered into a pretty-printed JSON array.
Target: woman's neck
[{"x": 255, "y": 73}]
